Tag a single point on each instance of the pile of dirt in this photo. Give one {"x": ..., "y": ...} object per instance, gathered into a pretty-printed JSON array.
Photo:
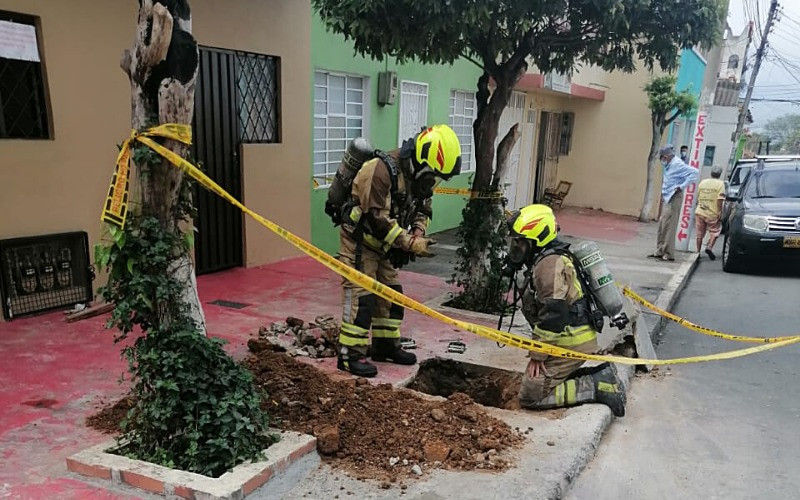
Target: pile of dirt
[
  {"x": 109, "y": 418},
  {"x": 378, "y": 431},
  {"x": 316, "y": 339},
  {"x": 373, "y": 432}
]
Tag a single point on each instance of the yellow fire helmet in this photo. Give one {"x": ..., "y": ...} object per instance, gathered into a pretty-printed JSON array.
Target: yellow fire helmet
[
  {"x": 437, "y": 147},
  {"x": 536, "y": 223}
]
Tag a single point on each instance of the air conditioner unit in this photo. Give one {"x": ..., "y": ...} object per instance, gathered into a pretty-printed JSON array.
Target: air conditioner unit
[
  {"x": 387, "y": 87},
  {"x": 558, "y": 82}
]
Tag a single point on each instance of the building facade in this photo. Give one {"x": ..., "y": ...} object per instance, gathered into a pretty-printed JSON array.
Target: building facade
[
  {"x": 346, "y": 105},
  {"x": 724, "y": 111},
  {"x": 65, "y": 104}
]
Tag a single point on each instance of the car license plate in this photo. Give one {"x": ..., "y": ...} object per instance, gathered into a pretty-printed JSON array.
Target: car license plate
[{"x": 793, "y": 242}]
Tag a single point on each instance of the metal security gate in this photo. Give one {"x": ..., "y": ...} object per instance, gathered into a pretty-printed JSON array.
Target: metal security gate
[{"x": 219, "y": 241}]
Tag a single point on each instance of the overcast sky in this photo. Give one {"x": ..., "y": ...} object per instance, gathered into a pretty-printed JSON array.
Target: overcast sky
[{"x": 779, "y": 77}]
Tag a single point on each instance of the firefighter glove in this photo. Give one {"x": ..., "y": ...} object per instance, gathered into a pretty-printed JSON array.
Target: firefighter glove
[{"x": 421, "y": 246}]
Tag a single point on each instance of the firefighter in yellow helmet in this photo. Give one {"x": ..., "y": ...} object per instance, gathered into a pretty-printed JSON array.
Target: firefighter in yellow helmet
[
  {"x": 557, "y": 307},
  {"x": 389, "y": 214}
]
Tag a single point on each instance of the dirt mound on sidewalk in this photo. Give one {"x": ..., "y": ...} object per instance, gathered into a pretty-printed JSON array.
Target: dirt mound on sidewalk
[
  {"x": 378, "y": 425},
  {"x": 374, "y": 432}
]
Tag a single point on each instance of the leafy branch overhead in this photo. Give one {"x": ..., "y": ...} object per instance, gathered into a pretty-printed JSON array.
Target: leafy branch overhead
[
  {"x": 554, "y": 35},
  {"x": 665, "y": 103}
]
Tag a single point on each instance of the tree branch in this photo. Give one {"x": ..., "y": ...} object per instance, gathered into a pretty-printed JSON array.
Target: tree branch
[
  {"x": 672, "y": 118},
  {"x": 473, "y": 61}
]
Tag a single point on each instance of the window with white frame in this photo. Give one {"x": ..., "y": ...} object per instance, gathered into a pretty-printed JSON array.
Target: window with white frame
[
  {"x": 463, "y": 111},
  {"x": 339, "y": 117}
]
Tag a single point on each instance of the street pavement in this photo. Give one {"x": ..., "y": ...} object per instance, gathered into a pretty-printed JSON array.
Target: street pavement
[{"x": 727, "y": 429}]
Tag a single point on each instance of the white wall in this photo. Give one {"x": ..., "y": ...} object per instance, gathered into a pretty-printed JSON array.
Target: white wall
[{"x": 721, "y": 124}]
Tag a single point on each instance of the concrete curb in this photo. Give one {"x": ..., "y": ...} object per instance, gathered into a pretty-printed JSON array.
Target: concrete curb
[
  {"x": 294, "y": 456},
  {"x": 667, "y": 299}
]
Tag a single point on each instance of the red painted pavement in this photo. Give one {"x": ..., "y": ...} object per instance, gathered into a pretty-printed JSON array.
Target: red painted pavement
[
  {"x": 54, "y": 374},
  {"x": 597, "y": 225}
]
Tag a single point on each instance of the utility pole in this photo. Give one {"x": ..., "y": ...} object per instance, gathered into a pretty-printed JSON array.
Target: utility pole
[{"x": 762, "y": 48}]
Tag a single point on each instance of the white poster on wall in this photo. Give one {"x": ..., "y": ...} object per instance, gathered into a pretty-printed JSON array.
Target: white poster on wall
[{"x": 18, "y": 41}]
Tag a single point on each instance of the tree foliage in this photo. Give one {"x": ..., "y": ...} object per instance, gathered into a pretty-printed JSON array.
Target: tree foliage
[
  {"x": 784, "y": 133},
  {"x": 555, "y": 34},
  {"x": 666, "y": 103}
]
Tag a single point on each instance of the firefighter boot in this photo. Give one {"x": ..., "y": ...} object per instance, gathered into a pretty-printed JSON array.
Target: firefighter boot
[
  {"x": 384, "y": 349},
  {"x": 608, "y": 389},
  {"x": 356, "y": 363}
]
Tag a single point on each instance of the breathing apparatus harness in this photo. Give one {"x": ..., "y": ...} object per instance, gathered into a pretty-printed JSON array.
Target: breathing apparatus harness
[{"x": 586, "y": 308}]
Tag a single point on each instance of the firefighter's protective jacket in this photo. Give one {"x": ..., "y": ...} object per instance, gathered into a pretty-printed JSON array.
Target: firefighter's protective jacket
[
  {"x": 556, "y": 307},
  {"x": 372, "y": 200}
]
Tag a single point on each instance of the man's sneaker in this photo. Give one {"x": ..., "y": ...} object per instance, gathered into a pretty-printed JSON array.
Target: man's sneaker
[
  {"x": 608, "y": 389},
  {"x": 390, "y": 350},
  {"x": 710, "y": 254},
  {"x": 359, "y": 367}
]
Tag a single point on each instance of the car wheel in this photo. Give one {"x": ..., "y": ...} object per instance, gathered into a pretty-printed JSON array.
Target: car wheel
[{"x": 730, "y": 262}]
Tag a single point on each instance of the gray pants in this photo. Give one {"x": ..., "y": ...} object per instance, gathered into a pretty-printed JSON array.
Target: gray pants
[{"x": 668, "y": 225}]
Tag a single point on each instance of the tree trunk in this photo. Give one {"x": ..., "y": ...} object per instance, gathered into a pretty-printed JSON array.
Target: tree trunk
[
  {"x": 503, "y": 153},
  {"x": 652, "y": 157},
  {"x": 162, "y": 68}
]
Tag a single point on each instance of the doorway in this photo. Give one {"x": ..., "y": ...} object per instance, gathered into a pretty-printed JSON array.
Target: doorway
[{"x": 547, "y": 152}]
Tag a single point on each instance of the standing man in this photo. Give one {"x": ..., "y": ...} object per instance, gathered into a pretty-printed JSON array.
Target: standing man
[
  {"x": 386, "y": 220},
  {"x": 557, "y": 308},
  {"x": 710, "y": 194},
  {"x": 685, "y": 154},
  {"x": 677, "y": 175}
]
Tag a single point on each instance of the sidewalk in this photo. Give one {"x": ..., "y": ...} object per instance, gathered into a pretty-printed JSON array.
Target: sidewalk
[{"x": 55, "y": 373}]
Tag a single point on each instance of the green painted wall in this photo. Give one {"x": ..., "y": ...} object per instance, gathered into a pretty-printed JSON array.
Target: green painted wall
[{"x": 331, "y": 52}]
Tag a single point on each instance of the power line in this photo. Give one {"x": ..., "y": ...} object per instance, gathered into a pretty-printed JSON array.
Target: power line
[{"x": 760, "y": 53}]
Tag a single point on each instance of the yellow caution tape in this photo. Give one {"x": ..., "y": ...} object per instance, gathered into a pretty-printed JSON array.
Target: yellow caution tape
[
  {"x": 395, "y": 297},
  {"x": 115, "y": 209},
  {"x": 467, "y": 192},
  {"x": 701, "y": 329}
]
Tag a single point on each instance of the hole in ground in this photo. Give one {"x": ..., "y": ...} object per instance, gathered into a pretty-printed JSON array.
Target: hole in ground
[{"x": 484, "y": 384}]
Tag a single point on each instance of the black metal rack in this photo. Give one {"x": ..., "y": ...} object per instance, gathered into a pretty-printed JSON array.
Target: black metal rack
[{"x": 41, "y": 273}]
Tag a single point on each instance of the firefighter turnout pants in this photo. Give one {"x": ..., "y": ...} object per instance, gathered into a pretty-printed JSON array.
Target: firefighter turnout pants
[
  {"x": 561, "y": 384},
  {"x": 362, "y": 310}
]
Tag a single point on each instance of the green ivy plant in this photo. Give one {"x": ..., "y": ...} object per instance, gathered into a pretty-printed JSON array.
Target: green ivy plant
[
  {"x": 482, "y": 232},
  {"x": 195, "y": 408}
]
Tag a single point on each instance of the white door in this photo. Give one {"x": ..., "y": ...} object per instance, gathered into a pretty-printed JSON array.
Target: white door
[
  {"x": 513, "y": 114},
  {"x": 413, "y": 109},
  {"x": 523, "y": 195}
]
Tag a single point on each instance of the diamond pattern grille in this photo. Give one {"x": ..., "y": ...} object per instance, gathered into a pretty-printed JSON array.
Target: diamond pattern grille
[
  {"x": 257, "y": 81},
  {"x": 23, "y": 114}
]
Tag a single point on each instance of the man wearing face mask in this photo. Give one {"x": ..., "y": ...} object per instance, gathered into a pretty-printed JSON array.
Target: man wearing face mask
[
  {"x": 391, "y": 209},
  {"x": 685, "y": 154},
  {"x": 677, "y": 175}
]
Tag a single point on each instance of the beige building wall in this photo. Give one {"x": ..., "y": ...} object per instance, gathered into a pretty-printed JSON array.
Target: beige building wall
[
  {"x": 58, "y": 185},
  {"x": 607, "y": 163},
  {"x": 611, "y": 140}
]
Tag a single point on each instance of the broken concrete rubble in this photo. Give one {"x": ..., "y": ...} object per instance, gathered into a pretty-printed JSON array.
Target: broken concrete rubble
[{"x": 315, "y": 339}]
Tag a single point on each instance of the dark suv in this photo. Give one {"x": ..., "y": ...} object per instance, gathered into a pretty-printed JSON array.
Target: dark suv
[{"x": 764, "y": 219}]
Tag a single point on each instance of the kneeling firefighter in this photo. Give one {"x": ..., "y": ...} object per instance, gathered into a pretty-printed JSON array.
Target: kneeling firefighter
[
  {"x": 384, "y": 217},
  {"x": 564, "y": 305}
]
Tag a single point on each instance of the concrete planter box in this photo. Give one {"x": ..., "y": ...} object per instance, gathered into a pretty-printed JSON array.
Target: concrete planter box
[{"x": 288, "y": 461}]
